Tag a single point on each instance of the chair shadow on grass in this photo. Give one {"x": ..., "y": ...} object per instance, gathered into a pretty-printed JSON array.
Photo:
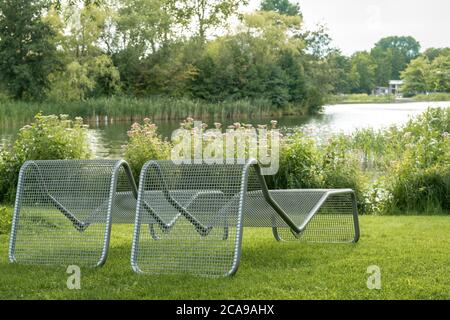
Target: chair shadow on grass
[{"x": 267, "y": 253}]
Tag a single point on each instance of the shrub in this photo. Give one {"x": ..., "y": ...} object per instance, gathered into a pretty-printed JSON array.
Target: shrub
[
  {"x": 47, "y": 138},
  {"x": 342, "y": 169},
  {"x": 145, "y": 144},
  {"x": 416, "y": 189},
  {"x": 305, "y": 164},
  {"x": 299, "y": 164},
  {"x": 419, "y": 176},
  {"x": 412, "y": 164}
]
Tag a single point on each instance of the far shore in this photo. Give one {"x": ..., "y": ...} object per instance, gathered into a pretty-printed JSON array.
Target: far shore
[{"x": 368, "y": 99}]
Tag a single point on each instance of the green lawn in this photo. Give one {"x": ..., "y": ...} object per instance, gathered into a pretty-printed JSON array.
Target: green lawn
[{"x": 413, "y": 254}]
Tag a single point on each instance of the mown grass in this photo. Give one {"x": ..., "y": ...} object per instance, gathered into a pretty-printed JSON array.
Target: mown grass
[{"x": 412, "y": 252}]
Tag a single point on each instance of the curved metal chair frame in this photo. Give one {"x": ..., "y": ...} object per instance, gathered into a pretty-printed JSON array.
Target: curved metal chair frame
[
  {"x": 196, "y": 214},
  {"x": 64, "y": 210}
]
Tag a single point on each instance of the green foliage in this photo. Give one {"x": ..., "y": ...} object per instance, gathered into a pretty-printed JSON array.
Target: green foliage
[
  {"x": 230, "y": 71},
  {"x": 305, "y": 164},
  {"x": 339, "y": 68},
  {"x": 420, "y": 177},
  {"x": 423, "y": 75},
  {"x": 416, "y": 189},
  {"x": 366, "y": 70},
  {"x": 146, "y": 24},
  {"x": 433, "y": 53},
  {"x": 362, "y": 73},
  {"x": 392, "y": 55},
  {"x": 412, "y": 163},
  {"x": 27, "y": 54},
  {"x": 440, "y": 73},
  {"x": 300, "y": 165},
  {"x": 416, "y": 76},
  {"x": 340, "y": 168},
  {"x": 111, "y": 47},
  {"x": 209, "y": 14},
  {"x": 281, "y": 6},
  {"x": 262, "y": 60},
  {"x": 73, "y": 84},
  {"x": 143, "y": 48},
  {"x": 105, "y": 75},
  {"x": 88, "y": 72},
  {"x": 145, "y": 144},
  {"x": 5, "y": 220},
  {"x": 47, "y": 138},
  {"x": 169, "y": 48},
  {"x": 398, "y": 170}
]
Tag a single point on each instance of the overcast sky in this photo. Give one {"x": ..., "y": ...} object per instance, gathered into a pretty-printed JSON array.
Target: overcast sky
[{"x": 357, "y": 24}]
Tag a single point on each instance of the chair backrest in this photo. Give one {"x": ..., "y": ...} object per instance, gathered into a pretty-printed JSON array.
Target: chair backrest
[{"x": 63, "y": 210}]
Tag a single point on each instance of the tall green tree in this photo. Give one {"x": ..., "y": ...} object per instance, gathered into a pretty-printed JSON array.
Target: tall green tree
[
  {"x": 88, "y": 70},
  {"x": 440, "y": 73},
  {"x": 318, "y": 42},
  {"x": 209, "y": 14},
  {"x": 433, "y": 53},
  {"x": 392, "y": 55},
  {"x": 362, "y": 73},
  {"x": 27, "y": 54},
  {"x": 416, "y": 77},
  {"x": 339, "y": 67},
  {"x": 384, "y": 63},
  {"x": 285, "y": 7},
  {"x": 263, "y": 60},
  {"x": 148, "y": 25}
]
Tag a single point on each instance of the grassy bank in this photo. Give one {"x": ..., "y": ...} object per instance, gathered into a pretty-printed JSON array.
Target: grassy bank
[
  {"x": 412, "y": 253},
  {"x": 432, "y": 97},
  {"x": 365, "y": 98},
  {"x": 359, "y": 98},
  {"x": 158, "y": 108}
]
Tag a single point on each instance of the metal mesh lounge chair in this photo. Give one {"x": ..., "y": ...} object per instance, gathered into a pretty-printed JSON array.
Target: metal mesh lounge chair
[
  {"x": 190, "y": 217},
  {"x": 64, "y": 210}
]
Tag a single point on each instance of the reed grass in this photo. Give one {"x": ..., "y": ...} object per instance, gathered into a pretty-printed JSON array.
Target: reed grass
[{"x": 128, "y": 108}]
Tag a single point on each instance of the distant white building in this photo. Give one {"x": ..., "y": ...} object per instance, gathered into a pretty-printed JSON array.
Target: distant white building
[
  {"x": 380, "y": 91},
  {"x": 395, "y": 87}
]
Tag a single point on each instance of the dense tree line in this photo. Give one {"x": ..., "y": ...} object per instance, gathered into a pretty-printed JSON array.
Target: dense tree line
[
  {"x": 73, "y": 50},
  {"x": 395, "y": 58}
]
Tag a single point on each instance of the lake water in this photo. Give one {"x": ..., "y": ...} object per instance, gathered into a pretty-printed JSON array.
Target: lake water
[{"x": 106, "y": 139}]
